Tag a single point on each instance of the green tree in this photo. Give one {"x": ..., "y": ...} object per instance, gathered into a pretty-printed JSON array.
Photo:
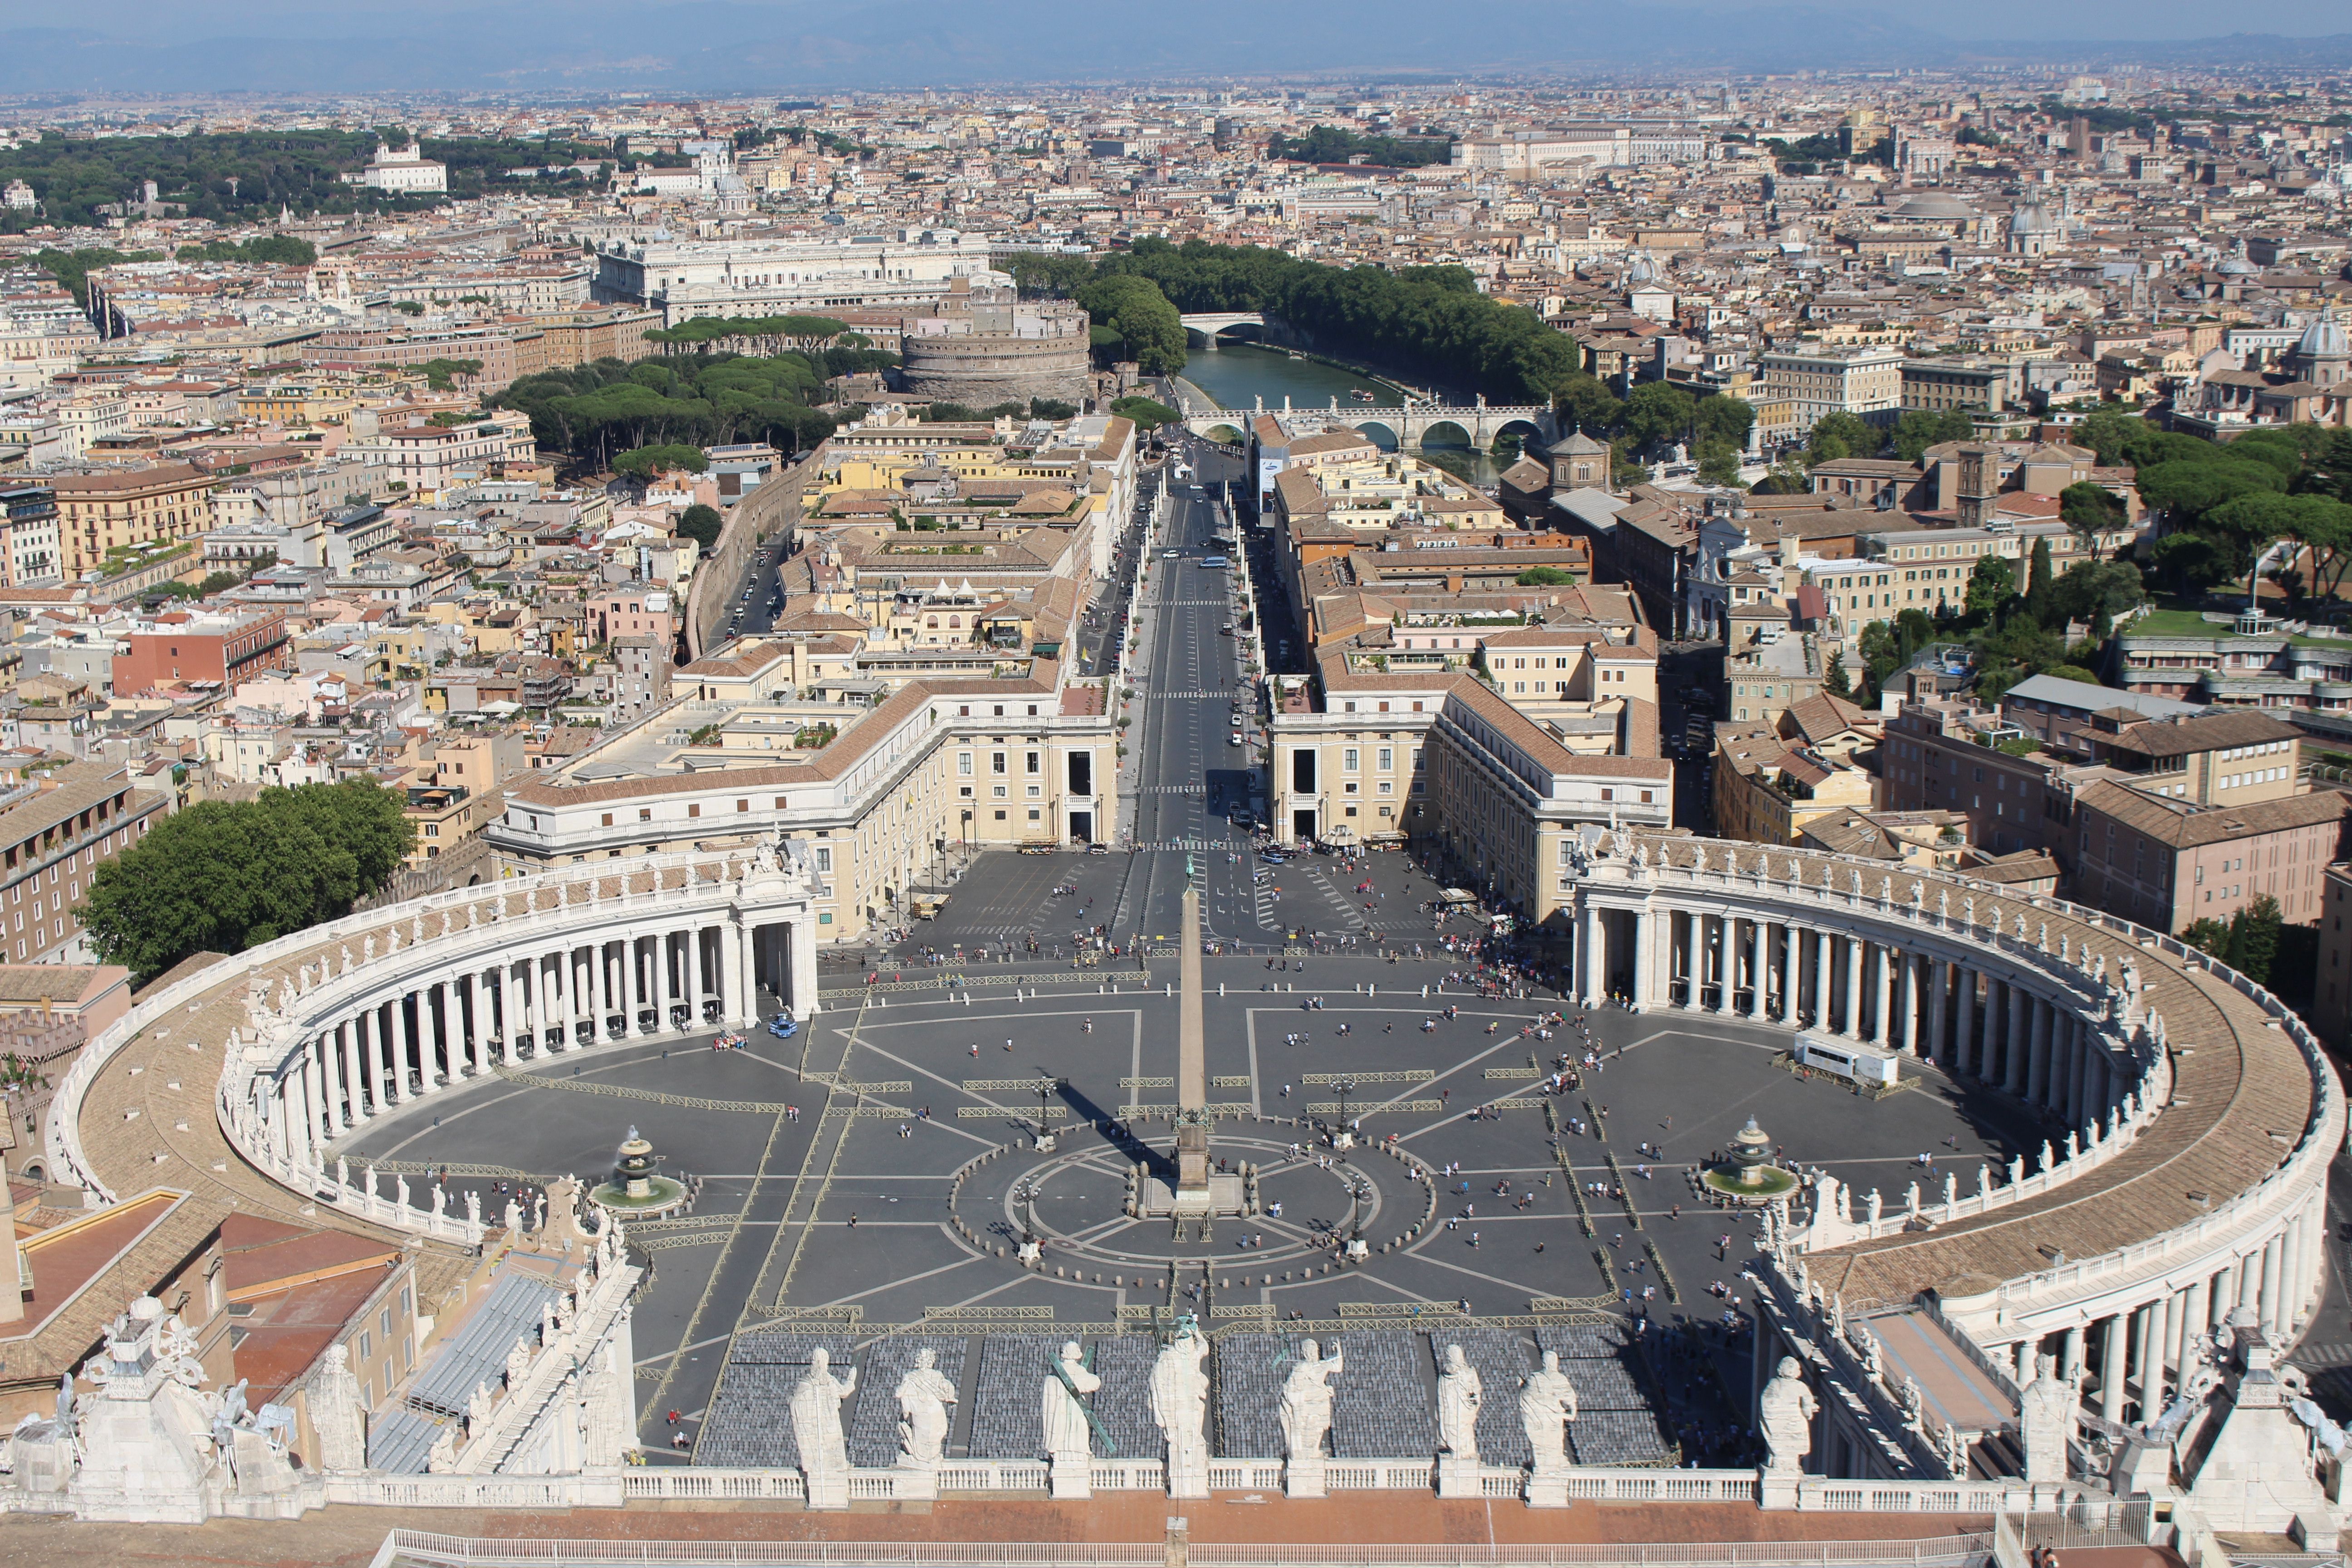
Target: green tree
[
  {"x": 701, "y": 523},
  {"x": 1991, "y": 585},
  {"x": 1719, "y": 461},
  {"x": 1658, "y": 414},
  {"x": 2040, "y": 577},
  {"x": 223, "y": 876},
  {"x": 1918, "y": 430},
  {"x": 1147, "y": 414},
  {"x": 2208, "y": 936},
  {"x": 1584, "y": 404},
  {"x": 2254, "y": 939},
  {"x": 1835, "y": 680},
  {"x": 2090, "y": 509},
  {"x": 1134, "y": 307},
  {"x": 1544, "y": 577},
  {"x": 1726, "y": 417},
  {"x": 644, "y": 462},
  {"x": 1838, "y": 434}
]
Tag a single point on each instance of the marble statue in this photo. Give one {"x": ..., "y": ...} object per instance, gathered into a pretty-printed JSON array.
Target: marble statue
[
  {"x": 924, "y": 1395},
  {"x": 2046, "y": 1414},
  {"x": 517, "y": 1362},
  {"x": 1306, "y": 1406},
  {"x": 1069, "y": 1444},
  {"x": 1180, "y": 1403},
  {"x": 337, "y": 1414},
  {"x": 1547, "y": 1404},
  {"x": 443, "y": 1458},
  {"x": 816, "y": 1410},
  {"x": 1785, "y": 1411},
  {"x": 1458, "y": 1394}
]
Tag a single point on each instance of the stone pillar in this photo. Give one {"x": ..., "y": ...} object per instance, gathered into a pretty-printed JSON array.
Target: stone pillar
[
  {"x": 2176, "y": 1336},
  {"x": 2020, "y": 1041},
  {"x": 748, "y": 999},
  {"x": 355, "y": 1077},
  {"x": 308, "y": 1100},
  {"x": 1645, "y": 959},
  {"x": 438, "y": 1054},
  {"x": 330, "y": 1072},
  {"x": 1853, "y": 1020},
  {"x": 1792, "y": 970},
  {"x": 400, "y": 1043},
  {"x": 1588, "y": 936},
  {"x": 1882, "y": 1022},
  {"x": 1939, "y": 1001},
  {"x": 1965, "y": 1055},
  {"x": 2268, "y": 1303},
  {"x": 478, "y": 1023},
  {"x": 371, "y": 1022},
  {"x": 2196, "y": 1316},
  {"x": 575, "y": 997},
  {"x": 2078, "y": 1075},
  {"x": 806, "y": 1001},
  {"x": 730, "y": 974},
  {"x": 1726, "y": 994},
  {"x": 2151, "y": 1365},
  {"x": 2070, "y": 1352},
  {"x": 1694, "y": 954},
  {"x": 2037, "y": 1065},
  {"x": 2112, "y": 1365},
  {"x": 1823, "y": 945},
  {"x": 1759, "y": 968},
  {"x": 700, "y": 982}
]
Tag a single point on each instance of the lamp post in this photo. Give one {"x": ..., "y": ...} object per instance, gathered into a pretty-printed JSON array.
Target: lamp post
[
  {"x": 1046, "y": 1086},
  {"x": 1344, "y": 1135}
]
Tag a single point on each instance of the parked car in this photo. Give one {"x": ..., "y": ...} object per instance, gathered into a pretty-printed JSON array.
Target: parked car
[{"x": 783, "y": 1025}]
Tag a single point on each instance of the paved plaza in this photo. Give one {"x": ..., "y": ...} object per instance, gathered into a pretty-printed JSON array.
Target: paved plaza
[{"x": 827, "y": 1165}]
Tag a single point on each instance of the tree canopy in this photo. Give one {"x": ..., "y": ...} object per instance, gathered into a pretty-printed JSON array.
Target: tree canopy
[
  {"x": 1336, "y": 144},
  {"x": 224, "y": 876},
  {"x": 593, "y": 411},
  {"x": 701, "y": 523}
]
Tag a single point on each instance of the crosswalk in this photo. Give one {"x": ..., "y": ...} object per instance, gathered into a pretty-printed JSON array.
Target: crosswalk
[
  {"x": 2314, "y": 1357},
  {"x": 1190, "y": 696}
]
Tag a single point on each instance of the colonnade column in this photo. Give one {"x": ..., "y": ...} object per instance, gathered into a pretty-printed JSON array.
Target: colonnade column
[
  {"x": 1792, "y": 970},
  {"x": 400, "y": 1041},
  {"x": 1964, "y": 1053},
  {"x": 1852, "y": 1029},
  {"x": 477, "y": 1024},
  {"x": 1726, "y": 981},
  {"x": 1760, "y": 969},
  {"x": 748, "y": 998},
  {"x": 355, "y": 1079},
  {"x": 2151, "y": 1365},
  {"x": 1940, "y": 991},
  {"x": 1882, "y": 1023},
  {"x": 806, "y": 1001},
  {"x": 2037, "y": 1064},
  {"x": 2111, "y": 1368},
  {"x": 2014, "y": 1040},
  {"x": 1822, "y": 944},
  {"x": 1588, "y": 953}
]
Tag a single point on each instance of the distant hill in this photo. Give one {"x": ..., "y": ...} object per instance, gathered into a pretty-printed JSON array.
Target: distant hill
[{"x": 598, "y": 47}]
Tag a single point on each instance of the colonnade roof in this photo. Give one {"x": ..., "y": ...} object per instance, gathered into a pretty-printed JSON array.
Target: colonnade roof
[{"x": 2243, "y": 1095}]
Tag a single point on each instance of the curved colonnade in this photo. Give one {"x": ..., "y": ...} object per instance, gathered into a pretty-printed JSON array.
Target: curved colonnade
[
  {"x": 2191, "y": 1116},
  {"x": 319, "y": 1033}
]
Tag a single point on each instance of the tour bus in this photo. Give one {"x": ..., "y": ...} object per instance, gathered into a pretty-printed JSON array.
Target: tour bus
[
  {"x": 1864, "y": 1063},
  {"x": 1214, "y": 563}
]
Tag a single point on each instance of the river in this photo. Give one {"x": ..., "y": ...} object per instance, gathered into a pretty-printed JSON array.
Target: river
[{"x": 1238, "y": 375}]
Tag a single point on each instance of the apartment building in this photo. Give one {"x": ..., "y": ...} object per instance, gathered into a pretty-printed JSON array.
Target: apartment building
[
  {"x": 184, "y": 650},
  {"x": 31, "y": 546},
  {"x": 1440, "y": 758},
  {"x": 882, "y": 794},
  {"x": 2166, "y": 862},
  {"x": 1772, "y": 789},
  {"x": 1867, "y": 382},
  {"x": 427, "y": 459},
  {"x": 1943, "y": 754},
  {"x": 53, "y": 838},
  {"x": 119, "y": 508},
  {"x": 1974, "y": 386}
]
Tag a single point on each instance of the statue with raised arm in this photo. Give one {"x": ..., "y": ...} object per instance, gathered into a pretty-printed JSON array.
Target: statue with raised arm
[
  {"x": 815, "y": 1407},
  {"x": 1547, "y": 1404},
  {"x": 924, "y": 1395}
]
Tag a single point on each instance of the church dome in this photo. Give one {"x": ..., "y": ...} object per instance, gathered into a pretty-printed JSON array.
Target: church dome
[
  {"x": 2030, "y": 218},
  {"x": 1935, "y": 206},
  {"x": 2326, "y": 339}
]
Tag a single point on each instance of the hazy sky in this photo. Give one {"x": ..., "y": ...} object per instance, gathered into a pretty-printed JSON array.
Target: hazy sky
[{"x": 733, "y": 46}]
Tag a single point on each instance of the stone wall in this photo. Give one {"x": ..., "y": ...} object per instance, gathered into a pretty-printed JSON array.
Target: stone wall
[{"x": 980, "y": 370}]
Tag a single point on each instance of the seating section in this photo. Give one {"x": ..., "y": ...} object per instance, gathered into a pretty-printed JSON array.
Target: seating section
[
  {"x": 1007, "y": 1420},
  {"x": 477, "y": 1352},
  {"x": 1382, "y": 1407},
  {"x": 1124, "y": 1405},
  {"x": 1247, "y": 1409}
]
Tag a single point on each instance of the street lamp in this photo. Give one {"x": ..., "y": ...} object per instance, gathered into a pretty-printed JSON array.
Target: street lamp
[
  {"x": 1344, "y": 1136},
  {"x": 1046, "y": 1086}
]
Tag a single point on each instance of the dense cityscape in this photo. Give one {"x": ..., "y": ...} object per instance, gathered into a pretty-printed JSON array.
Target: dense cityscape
[{"x": 571, "y": 665}]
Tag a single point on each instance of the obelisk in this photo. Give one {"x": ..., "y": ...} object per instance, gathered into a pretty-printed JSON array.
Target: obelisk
[{"x": 1192, "y": 1071}]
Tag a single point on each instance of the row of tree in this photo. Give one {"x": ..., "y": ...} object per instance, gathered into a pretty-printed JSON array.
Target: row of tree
[
  {"x": 223, "y": 876},
  {"x": 1427, "y": 323},
  {"x": 594, "y": 411},
  {"x": 1338, "y": 144}
]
